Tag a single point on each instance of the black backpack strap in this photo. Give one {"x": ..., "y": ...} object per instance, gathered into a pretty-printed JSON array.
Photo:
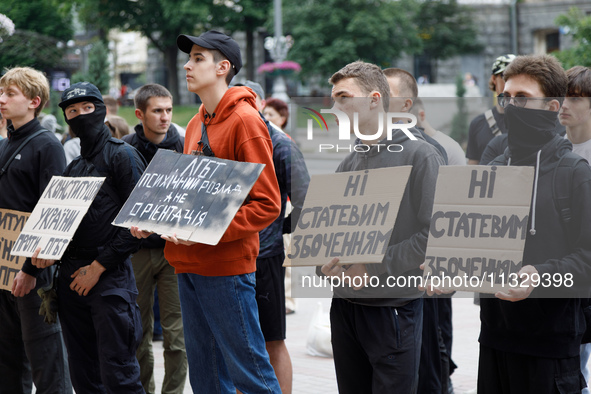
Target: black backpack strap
[
  {"x": 20, "y": 147},
  {"x": 492, "y": 122},
  {"x": 562, "y": 188}
]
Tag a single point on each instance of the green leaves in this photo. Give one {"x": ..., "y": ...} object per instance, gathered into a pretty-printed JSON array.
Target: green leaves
[
  {"x": 329, "y": 34},
  {"x": 577, "y": 24},
  {"x": 446, "y": 28},
  {"x": 40, "y": 26}
]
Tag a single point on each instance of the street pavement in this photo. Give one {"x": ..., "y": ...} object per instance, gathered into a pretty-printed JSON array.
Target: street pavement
[{"x": 315, "y": 375}]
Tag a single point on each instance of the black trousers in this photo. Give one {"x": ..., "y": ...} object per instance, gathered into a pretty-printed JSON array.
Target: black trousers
[
  {"x": 509, "y": 373},
  {"x": 30, "y": 349},
  {"x": 102, "y": 330},
  {"x": 376, "y": 349}
]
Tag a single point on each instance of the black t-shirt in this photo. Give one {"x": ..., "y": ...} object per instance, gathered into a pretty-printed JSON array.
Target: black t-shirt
[
  {"x": 495, "y": 147},
  {"x": 480, "y": 134}
]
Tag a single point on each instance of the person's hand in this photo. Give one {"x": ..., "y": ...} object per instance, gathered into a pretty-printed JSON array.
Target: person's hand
[
  {"x": 357, "y": 270},
  {"x": 172, "y": 238},
  {"x": 85, "y": 278},
  {"x": 136, "y": 232},
  {"x": 332, "y": 268},
  {"x": 523, "y": 288},
  {"x": 354, "y": 270},
  {"x": 40, "y": 263},
  {"x": 429, "y": 288},
  {"x": 23, "y": 284}
]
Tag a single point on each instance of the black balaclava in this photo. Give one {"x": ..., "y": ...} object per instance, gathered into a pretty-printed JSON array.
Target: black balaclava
[
  {"x": 89, "y": 127},
  {"x": 529, "y": 129}
]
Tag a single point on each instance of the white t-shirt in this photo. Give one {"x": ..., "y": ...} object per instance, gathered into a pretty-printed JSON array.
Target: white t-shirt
[
  {"x": 455, "y": 153},
  {"x": 583, "y": 150},
  {"x": 72, "y": 149}
]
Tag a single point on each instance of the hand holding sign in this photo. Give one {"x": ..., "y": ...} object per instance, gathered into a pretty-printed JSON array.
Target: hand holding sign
[
  {"x": 40, "y": 263},
  {"x": 357, "y": 273},
  {"x": 428, "y": 286},
  {"x": 136, "y": 232},
  {"x": 523, "y": 288}
]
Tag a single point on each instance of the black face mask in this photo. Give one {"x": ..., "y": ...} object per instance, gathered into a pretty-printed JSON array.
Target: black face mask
[
  {"x": 529, "y": 129},
  {"x": 89, "y": 127}
]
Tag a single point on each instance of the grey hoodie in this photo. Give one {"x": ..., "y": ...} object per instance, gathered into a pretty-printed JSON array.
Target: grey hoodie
[{"x": 408, "y": 243}]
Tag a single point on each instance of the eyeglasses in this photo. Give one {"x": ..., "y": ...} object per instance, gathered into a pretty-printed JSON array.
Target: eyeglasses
[{"x": 519, "y": 101}]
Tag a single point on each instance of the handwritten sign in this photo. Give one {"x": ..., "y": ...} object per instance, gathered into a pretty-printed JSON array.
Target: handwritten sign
[
  {"x": 194, "y": 197},
  {"x": 349, "y": 215},
  {"x": 11, "y": 225},
  {"x": 56, "y": 216},
  {"x": 478, "y": 227}
]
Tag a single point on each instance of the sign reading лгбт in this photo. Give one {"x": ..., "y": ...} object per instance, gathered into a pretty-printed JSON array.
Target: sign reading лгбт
[
  {"x": 478, "y": 227},
  {"x": 56, "y": 216},
  {"x": 11, "y": 225},
  {"x": 194, "y": 197},
  {"x": 348, "y": 215}
]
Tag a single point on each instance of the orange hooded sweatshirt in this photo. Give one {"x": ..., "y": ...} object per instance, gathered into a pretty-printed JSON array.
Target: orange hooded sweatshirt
[{"x": 236, "y": 132}]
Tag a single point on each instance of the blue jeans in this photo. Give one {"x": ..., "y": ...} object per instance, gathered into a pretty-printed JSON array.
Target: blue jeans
[{"x": 223, "y": 338}]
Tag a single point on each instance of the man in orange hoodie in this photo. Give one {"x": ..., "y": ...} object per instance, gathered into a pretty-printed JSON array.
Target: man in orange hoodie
[{"x": 225, "y": 346}]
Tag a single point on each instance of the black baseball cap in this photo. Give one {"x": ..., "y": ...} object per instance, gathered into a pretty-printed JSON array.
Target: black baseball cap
[
  {"x": 81, "y": 91},
  {"x": 213, "y": 40}
]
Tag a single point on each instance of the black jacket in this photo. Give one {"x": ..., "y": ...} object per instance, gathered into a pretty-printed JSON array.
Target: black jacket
[
  {"x": 544, "y": 325},
  {"x": 31, "y": 170},
  {"x": 122, "y": 165},
  {"x": 173, "y": 141}
]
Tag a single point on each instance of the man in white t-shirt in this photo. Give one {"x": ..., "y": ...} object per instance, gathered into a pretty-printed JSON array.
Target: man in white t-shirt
[
  {"x": 455, "y": 153},
  {"x": 575, "y": 115}
]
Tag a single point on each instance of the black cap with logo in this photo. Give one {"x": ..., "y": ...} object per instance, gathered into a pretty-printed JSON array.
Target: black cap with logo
[
  {"x": 213, "y": 40},
  {"x": 81, "y": 91}
]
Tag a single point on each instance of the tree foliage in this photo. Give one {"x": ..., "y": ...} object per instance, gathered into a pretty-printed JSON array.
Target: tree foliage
[
  {"x": 28, "y": 48},
  {"x": 446, "y": 29},
  {"x": 98, "y": 68},
  {"x": 577, "y": 24},
  {"x": 328, "y": 34},
  {"x": 459, "y": 123},
  {"x": 40, "y": 26},
  {"x": 243, "y": 15},
  {"x": 161, "y": 21}
]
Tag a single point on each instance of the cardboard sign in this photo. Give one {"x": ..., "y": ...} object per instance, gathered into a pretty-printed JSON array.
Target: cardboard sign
[
  {"x": 349, "y": 215},
  {"x": 56, "y": 216},
  {"x": 11, "y": 225},
  {"x": 194, "y": 197},
  {"x": 478, "y": 227}
]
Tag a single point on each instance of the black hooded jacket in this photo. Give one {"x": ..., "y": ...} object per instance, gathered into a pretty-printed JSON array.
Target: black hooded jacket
[
  {"x": 122, "y": 165},
  {"x": 547, "y": 324},
  {"x": 173, "y": 141},
  {"x": 30, "y": 172}
]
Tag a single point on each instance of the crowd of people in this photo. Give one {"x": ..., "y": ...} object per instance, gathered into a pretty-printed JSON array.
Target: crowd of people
[{"x": 223, "y": 307}]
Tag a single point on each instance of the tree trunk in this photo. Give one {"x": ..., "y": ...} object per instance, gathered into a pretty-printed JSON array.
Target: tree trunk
[
  {"x": 170, "y": 59},
  {"x": 250, "y": 55}
]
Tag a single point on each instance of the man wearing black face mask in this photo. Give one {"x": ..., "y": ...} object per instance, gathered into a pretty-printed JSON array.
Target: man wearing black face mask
[
  {"x": 96, "y": 287},
  {"x": 530, "y": 335}
]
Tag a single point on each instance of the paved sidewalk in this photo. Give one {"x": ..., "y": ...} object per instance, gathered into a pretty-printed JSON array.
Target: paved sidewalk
[{"x": 316, "y": 374}]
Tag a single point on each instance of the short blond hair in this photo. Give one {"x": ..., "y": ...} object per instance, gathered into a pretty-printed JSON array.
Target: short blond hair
[{"x": 31, "y": 82}]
